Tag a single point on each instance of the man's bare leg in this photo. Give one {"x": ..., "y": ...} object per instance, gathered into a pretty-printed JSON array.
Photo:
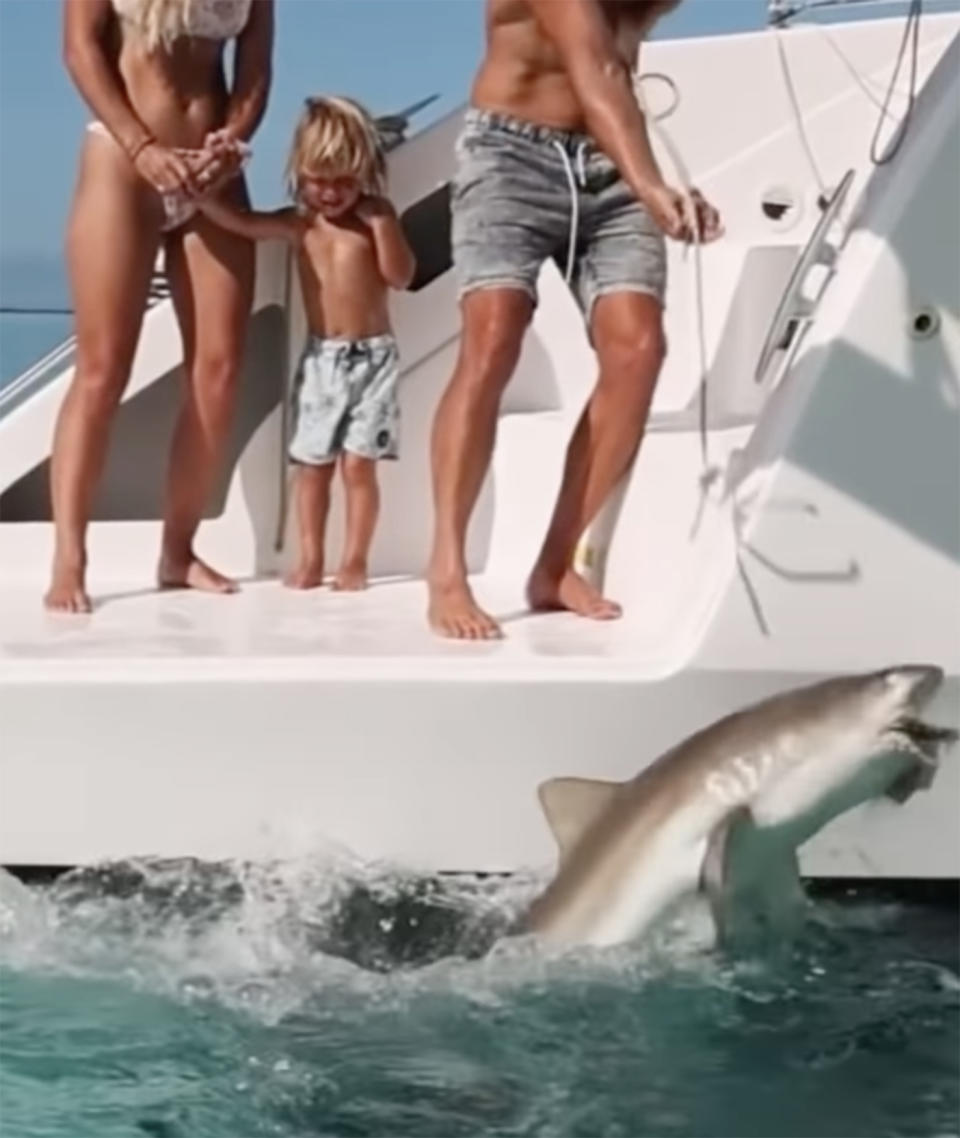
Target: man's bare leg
[
  {"x": 627, "y": 332},
  {"x": 211, "y": 283},
  {"x": 311, "y": 495},
  {"x": 112, "y": 240},
  {"x": 464, "y": 430},
  {"x": 363, "y": 505}
]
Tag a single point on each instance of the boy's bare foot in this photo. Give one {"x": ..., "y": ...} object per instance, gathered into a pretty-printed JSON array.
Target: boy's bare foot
[
  {"x": 67, "y": 592},
  {"x": 350, "y": 578},
  {"x": 192, "y": 573},
  {"x": 571, "y": 593},
  {"x": 306, "y": 575},
  {"x": 455, "y": 614}
]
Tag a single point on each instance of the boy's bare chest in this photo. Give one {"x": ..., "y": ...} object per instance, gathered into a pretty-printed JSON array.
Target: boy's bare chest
[{"x": 340, "y": 251}]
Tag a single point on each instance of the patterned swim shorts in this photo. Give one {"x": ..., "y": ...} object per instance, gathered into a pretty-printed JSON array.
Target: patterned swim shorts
[{"x": 345, "y": 399}]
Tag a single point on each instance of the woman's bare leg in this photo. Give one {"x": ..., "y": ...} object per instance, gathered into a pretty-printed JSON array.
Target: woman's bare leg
[
  {"x": 311, "y": 495},
  {"x": 112, "y": 240},
  {"x": 211, "y": 283},
  {"x": 363, "y": 506}
]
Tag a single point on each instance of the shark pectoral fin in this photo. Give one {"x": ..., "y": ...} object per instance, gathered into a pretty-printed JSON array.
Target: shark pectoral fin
[
  {"x": 751, "y": 879},
  {"x": 572, "y": 804},
  {"x": 918, "y": 776}
]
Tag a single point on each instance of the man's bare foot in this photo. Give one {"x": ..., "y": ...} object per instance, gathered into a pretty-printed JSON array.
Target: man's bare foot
[
  {"x": 192, "y": 574},
  {"x": 455, "y": 614},
  {"x": 570, "y": 593},
  {"x": 67, "y": 592},
  {"x": 306, "y": 575},
  {"x": 350, "y": 578}
]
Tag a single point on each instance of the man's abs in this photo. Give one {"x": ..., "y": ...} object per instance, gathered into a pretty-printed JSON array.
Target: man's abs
[{"x": 522, "y": 73}]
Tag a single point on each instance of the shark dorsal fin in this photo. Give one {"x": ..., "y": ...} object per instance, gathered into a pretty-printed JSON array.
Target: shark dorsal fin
[{"x": 571, "y": 804}]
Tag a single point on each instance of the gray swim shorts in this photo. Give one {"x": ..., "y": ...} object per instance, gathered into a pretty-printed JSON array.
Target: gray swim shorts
[
  {"x": 525, "y": 192},
  {"x": 345, "y": 399}
]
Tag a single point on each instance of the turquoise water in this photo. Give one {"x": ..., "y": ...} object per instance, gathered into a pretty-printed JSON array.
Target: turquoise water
[{"x": 324, "y": 998}]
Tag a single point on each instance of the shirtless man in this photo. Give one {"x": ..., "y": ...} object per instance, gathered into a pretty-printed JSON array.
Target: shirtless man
[{"x": 553, "y": 101}]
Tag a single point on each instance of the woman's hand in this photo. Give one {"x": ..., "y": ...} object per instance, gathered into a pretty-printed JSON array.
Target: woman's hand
[
  {"x": 164, "y": 168},
  {"x": 221, "y": 159},
  {"x": 211, "y": 169},
  {"x": 225, "y": 139}
]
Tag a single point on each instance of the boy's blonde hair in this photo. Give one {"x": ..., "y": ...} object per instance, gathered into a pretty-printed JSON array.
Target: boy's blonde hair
[{"x": 336, "y": 137}]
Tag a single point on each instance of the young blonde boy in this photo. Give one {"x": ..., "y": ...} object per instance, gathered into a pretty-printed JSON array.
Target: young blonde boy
[{"x": 351, "y": 250}]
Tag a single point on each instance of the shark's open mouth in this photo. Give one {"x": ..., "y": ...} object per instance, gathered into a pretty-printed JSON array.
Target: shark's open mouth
[{"x": 924, "y": 740}]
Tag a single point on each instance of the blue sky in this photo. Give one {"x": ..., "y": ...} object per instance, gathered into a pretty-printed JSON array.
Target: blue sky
[{"x": 388, "y": 53}]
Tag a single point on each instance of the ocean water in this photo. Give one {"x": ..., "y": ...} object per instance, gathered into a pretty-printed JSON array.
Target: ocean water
[
  {"x": 31, "y": 285},
  {"x": 27, "y": 337},
  {"x": 319, "y": 997}
]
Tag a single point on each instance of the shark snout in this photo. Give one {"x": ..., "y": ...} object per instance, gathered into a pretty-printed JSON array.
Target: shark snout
[{"x": 917, "y": 683}]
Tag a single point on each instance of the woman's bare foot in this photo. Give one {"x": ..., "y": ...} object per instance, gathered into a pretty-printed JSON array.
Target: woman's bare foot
[
  {"x": 570, "y": 593},
  {"x": 455, "y": 614},
  {"x": 192, "y": 573},
  {"x": 350, "y": 578},
  {"x": 67, "y": 592},
  {"x": 306, "y": 575}
]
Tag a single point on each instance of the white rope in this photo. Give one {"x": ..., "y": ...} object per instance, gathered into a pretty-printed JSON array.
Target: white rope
[
  {"x": 798, "y": 114},
  {"x": 911, "y": 34},
  {"x": 864, "y": 82},
  {"x": 692, "y": 218}
]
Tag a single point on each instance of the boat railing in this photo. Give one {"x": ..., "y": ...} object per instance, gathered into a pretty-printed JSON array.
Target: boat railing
[
  {"x": 37, "y": 376},
  {"x": 46, "y": 369},
  {"x": 780, "y": 13}
]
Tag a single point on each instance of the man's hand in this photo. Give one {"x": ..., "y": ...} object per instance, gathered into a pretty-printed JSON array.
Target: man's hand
[
  {"x": 666, "y": 207},
  {"x": 682, "y": 217},
  {"x": 708, "y": 217}
]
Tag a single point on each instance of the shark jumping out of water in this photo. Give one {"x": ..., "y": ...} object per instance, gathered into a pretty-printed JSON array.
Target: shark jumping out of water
[{"x": 725, "y": 811}]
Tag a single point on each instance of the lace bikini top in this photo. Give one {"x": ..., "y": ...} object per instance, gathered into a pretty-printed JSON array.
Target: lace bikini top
[{"x": 210, "y": 19}]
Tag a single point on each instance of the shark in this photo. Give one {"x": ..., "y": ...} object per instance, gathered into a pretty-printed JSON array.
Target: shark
[{"x": 723, "y": 813}]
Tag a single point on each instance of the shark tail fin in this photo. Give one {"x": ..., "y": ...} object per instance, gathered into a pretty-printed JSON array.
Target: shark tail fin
[{"x": 571, "y": 805}]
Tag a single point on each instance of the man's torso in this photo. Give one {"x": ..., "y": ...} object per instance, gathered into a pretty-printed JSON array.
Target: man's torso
[{"x": 522, "y": 73}]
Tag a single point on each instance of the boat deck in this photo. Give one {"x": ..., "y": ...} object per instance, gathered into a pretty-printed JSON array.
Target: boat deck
[{"x": 268, "y": 630}]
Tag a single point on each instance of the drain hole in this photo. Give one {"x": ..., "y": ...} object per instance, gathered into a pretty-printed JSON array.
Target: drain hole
[
  {"x": 779, "y": 205},
  {"x": 925, "y": 323}
]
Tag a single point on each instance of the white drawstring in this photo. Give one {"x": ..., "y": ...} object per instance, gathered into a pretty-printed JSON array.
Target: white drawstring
[{"x": 575, "y": 181}]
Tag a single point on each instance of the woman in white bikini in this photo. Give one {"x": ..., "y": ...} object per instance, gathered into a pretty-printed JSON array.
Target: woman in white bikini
[{"x": 168, "y": 131}]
